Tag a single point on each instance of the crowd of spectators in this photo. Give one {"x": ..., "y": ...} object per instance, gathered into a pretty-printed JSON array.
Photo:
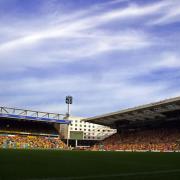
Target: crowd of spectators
[
  {"x": 143, "y": 140},
  {"x": 23, "y": 141}
]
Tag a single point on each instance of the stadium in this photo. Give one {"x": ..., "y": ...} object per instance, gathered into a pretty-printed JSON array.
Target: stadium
[
  {"x": 118, "y": 62},
  {"x": 145, "y": 145}
]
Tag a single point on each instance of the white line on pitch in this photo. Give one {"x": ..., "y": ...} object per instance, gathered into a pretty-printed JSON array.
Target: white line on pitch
[{"x": 111, "y": 175}]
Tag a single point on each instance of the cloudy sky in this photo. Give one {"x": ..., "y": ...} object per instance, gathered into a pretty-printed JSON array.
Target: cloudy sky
[{"x": 108, "y": 54}]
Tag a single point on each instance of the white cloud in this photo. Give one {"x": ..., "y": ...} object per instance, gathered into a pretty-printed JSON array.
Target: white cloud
[
  {"x": 112, "y": 92},
  {"x": 71, "y": 26},
  {"x": 80, "y": 36},
  {"x": 169, "y": 14},
  {"x": 169, "y": 60},
  {"x": 58, "y": 50},
  {"x": 79, "y": 23},
  {"x": 134, "y": 11},
  {"x": 93, "y": 97}
]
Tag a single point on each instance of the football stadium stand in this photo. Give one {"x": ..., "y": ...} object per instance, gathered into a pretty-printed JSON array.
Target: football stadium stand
[
  {"x": 30, "y": 129},
  {"x": 29, "y": 141},
  {"x": 160, "y": 139},
  {"x": 151, "y": 127}
]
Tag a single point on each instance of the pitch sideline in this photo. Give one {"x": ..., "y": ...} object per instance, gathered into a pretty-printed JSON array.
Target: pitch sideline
[{"x": 111, "y": 175}]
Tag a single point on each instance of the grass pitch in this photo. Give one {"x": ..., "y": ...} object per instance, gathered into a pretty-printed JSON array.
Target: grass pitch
[{"x": 74, "y": 165}]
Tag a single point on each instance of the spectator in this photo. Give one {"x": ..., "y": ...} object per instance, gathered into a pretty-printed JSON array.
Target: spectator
[
  {"x": 22, "y": 141},
  {"x": 163, "y": 139}
]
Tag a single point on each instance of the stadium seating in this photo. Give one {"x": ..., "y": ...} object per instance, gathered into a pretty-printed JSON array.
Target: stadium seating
[
  {"x": 29, "y": 134},
  {"x": 162, "y": 139},
  {"x": 23, "y": 141}
]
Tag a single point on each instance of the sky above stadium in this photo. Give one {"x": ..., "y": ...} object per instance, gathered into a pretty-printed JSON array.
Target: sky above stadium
[{"x": 108, "y": 54}]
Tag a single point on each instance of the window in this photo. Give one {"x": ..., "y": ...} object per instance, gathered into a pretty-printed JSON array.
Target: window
[{"x": 75, "y": 128}]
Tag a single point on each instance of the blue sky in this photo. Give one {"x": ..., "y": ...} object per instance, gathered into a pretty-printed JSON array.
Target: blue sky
[{"x": 108, "y": 54}]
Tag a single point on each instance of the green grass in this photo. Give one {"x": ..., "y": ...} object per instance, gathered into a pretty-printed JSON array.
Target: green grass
[{"x": 53, "y": 164}]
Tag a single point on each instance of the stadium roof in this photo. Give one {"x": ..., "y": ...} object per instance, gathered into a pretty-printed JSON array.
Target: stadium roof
[
  {"x": 14, "y": 113},
  {"x": 168, "y": 109}
]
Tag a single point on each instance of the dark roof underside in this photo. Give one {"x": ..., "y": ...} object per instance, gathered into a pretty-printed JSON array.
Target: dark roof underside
[{"x": 166, "y": 110}]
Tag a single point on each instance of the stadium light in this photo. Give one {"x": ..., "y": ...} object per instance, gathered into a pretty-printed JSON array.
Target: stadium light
[{"x": 68, "y": 102}]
